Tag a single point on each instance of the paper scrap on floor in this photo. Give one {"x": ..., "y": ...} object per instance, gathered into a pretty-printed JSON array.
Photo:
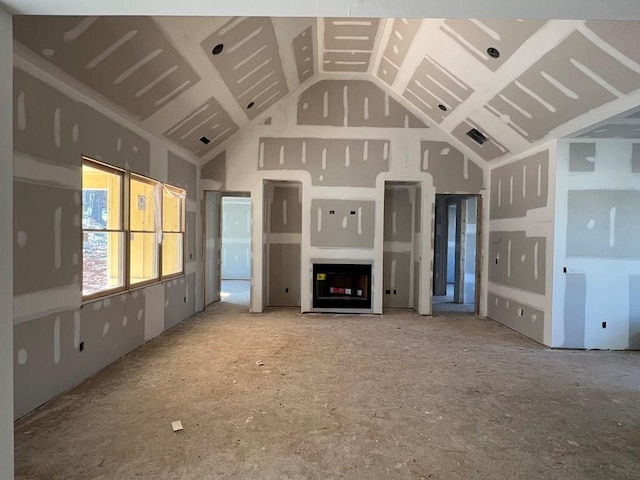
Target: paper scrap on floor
[{"x": 177, "y": 426}]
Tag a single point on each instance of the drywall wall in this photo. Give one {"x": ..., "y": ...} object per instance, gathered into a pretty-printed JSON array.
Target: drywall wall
[
  {"x": 342, "y": 170},
  {"x": 521, "y": 229},
  {"x": 451, "y": 240},
  {"x": 283, "y": 243},
  {"x": 471, "y": 237},
  {"x": 597, "y": 241},
  {"x": 236, "y": 238},
  {"x": 398, "y": 256},
  {"x": 212, "y": 242},
  {"x": 417, "y": 248},
  {"x": 6, "y": 240},
  {"x": 452, "y": 171},
  {"x": 58, "y": 339},
  {"x": 212, "y": 174},
  {"x": 333, "y": 162}
]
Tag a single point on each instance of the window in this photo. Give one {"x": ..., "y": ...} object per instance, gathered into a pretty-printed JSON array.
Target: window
[
  {"x": 102, "y": 230},
  {"x": 144, "y": 205},
  {"x": 122, "y": 251},
  {"x": 172, "y": 230}
]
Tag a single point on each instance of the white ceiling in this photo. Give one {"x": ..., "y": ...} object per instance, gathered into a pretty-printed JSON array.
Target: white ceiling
[
  {"x": 553, "y": 78},
  {"x": 543, "y": 9}
]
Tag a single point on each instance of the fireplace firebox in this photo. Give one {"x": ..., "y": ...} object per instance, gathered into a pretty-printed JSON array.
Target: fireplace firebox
[{"x": 341, "y": 285}]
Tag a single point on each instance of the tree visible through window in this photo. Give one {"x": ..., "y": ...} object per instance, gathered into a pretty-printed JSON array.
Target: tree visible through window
[{"x": 102, "y": 230}]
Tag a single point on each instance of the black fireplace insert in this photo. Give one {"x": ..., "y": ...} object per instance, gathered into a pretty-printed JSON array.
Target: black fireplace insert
[{"x": 342, "y": 285}]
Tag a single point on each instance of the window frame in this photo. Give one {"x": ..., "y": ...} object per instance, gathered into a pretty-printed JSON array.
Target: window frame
[
  {"x": 158, "y": 260},
  {"x": 183, "y": 229},
  {"x": 125, "y": 224},
  {"x": 123, "y": 228}
]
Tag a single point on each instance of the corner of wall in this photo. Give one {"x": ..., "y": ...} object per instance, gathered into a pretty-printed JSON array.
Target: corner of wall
[
  {"x": 520, "y": 242},
  {"x": 597, "y": 244},
  {"x": 6, "y": 241}
]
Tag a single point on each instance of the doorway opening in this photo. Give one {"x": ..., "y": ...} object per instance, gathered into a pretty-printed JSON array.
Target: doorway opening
[
  {"x": 456, "y": 253},
  {"x": 235, "y": 263},
  {"x": 227, "y": 248}
]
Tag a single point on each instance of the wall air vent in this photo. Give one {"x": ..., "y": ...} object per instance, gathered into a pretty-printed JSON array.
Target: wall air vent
[
  {"x": 477, "y": 136},
  {"x": 205, "y": 140}
]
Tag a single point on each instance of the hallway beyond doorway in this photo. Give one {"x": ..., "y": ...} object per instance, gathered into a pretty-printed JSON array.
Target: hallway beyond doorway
[
  {"x": 236, "y": 292},
  {"x": 445, "y": 303}
]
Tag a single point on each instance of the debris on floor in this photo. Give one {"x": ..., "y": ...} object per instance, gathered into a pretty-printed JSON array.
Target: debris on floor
[
  {"x": 177, "y": 426},
  {"x": 260, "y": 363}
]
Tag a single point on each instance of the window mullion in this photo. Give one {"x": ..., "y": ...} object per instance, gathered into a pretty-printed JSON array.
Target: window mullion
[
  {"x": 161, "y": 228},
  {"x": 126, "y": 208}
]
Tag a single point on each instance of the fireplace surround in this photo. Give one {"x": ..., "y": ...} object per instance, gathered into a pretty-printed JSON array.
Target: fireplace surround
[{"x": 338, "y": 286}]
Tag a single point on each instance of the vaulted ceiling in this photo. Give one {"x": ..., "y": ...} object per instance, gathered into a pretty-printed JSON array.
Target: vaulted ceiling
[{"x": 197, "y": 79}]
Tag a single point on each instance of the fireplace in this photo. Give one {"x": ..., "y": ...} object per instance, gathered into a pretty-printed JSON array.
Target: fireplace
[{"x": 339, "y": 286}]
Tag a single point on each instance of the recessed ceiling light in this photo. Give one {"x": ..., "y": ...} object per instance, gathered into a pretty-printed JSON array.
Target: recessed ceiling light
[
  {"x": 493, "y": 52},
  {"x": 205, "y": 140},
  {"x": 442, "y": 107},
  {"x": 250, "y": 105},
  {"x": 217, "y": 49}
]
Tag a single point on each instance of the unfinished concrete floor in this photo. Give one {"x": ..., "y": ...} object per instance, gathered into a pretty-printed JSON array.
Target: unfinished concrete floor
[{"x": 355, "y": 397}]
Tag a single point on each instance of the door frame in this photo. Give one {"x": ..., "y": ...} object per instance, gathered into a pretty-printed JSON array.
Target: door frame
[
  {"x": 218, "y": 249},
  {"x": 459, "y": 277}
]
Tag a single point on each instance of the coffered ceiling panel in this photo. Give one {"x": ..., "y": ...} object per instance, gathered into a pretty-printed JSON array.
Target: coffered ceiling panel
[
  {"x": 623, "y": 36},
  {"x": 246, "y": 54},
  {"x": 193, "y": 78},
  {"x": 402, "y": 34},
  {"x": 203, "y": 129},
  {"x": 348, "y": 43},
  {"x": 129, "y": 60},
  {"x": 303, "y": 52},
  {"x": 435, "y": 90},
  {"x": 346, "y": 61},
  {"x": 566, "y": 82},
  {"x": 490, "y": 41}
]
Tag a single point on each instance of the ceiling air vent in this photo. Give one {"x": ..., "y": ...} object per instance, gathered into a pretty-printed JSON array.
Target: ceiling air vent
[
  {"x": 477, "y": 136},
  {"x": 205, "y": 140}
]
